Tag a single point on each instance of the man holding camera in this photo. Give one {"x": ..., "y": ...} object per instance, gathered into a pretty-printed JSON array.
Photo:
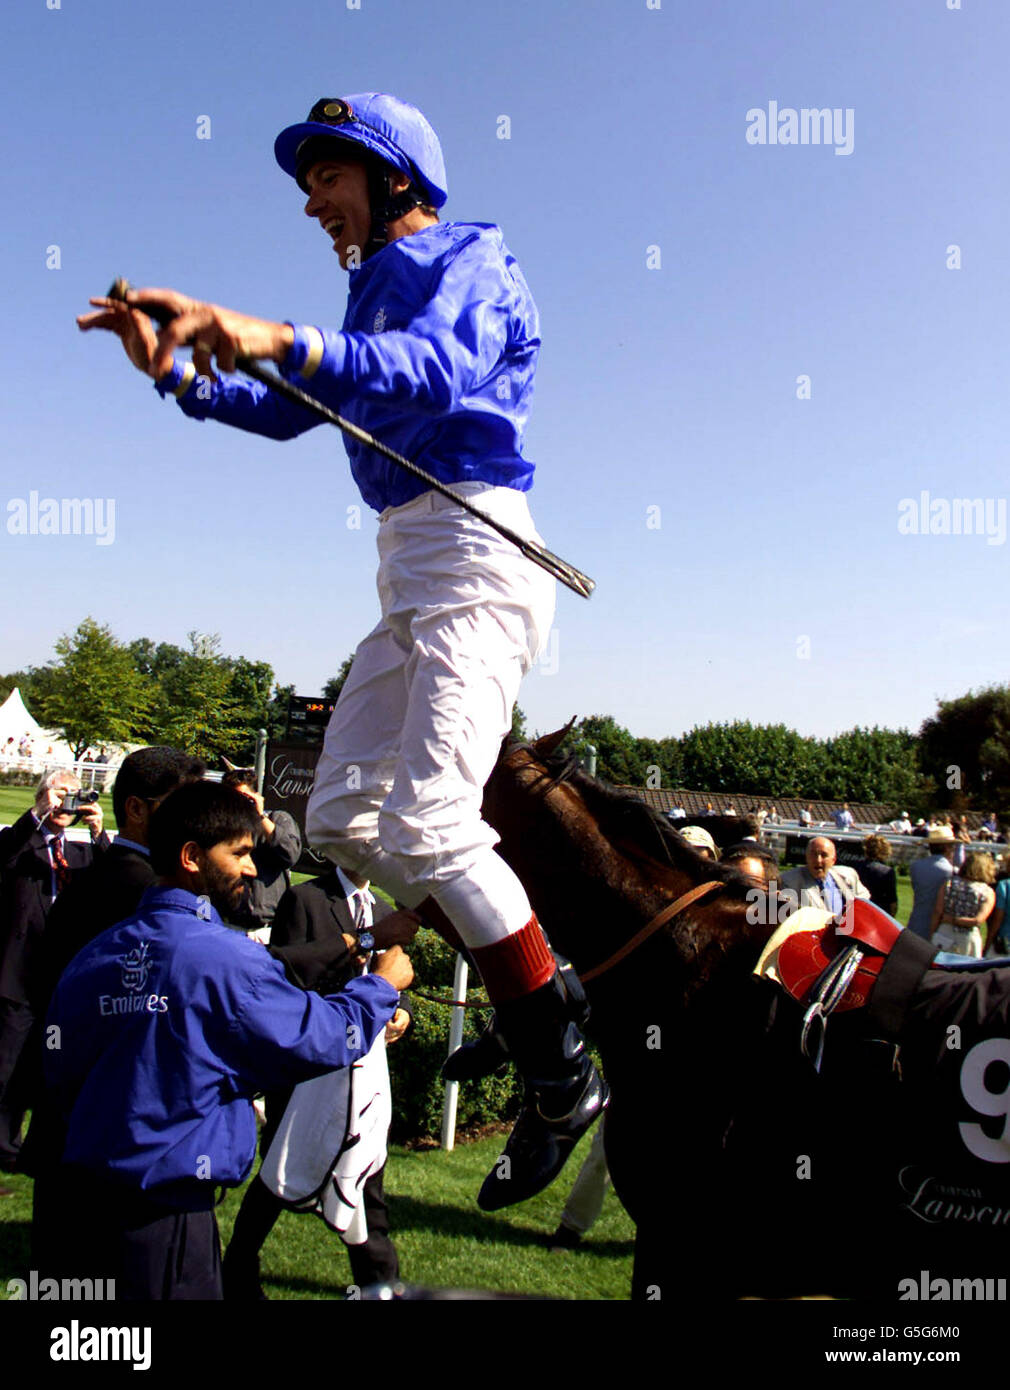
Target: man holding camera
[{"x": 37, "y": 862}]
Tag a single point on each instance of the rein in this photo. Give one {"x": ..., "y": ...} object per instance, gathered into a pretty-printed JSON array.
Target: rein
[{"x": 700, "y": 890}]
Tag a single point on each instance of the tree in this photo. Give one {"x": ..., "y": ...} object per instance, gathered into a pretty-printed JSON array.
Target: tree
[
  {"x": 519, "y": 732},
  {"x": 618, "y": 757},
  {"x": 94, "y": 694},
  {"x": 15, "y": 680},
  {"x": 965, "y": 749},
  {"x": 764, "y": 760},
  {"x": 333, "y": 687},
  {"x": 250, "y": 688},
  {"x": 873, "y": 765},
  {"x": 196, "y": 710}
]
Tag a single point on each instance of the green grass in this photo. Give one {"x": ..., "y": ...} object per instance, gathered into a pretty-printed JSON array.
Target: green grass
[{"x": 444, "y": 1240}]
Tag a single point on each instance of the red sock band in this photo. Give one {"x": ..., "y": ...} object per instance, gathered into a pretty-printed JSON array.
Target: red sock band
[{"x": 516, "y": 966}]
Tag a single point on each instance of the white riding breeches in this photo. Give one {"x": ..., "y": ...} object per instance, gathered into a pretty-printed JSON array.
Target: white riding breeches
[{"x": 420, "y": 720}]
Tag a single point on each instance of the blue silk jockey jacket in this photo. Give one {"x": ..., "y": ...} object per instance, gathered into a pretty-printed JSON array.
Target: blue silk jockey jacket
[
  {"x": 436, "y": 358},
  {"x": 169, "y": 1023}
]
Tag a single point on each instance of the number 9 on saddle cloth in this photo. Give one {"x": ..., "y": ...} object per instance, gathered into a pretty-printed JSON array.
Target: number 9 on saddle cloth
[{"x": 869, "y": 1150}]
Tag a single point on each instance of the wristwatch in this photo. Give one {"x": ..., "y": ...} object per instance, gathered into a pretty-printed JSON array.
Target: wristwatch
[{"x": 366, "y": 942}]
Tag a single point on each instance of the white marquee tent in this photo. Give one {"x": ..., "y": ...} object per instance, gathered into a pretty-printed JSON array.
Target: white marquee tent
[{"x": 48, "y": 749}]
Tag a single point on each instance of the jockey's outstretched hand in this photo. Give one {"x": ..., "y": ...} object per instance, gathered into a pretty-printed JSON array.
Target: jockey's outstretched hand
[
  {"x": 398, "y": 929},
  {"x": 134, "y": 330},
  {"x": 395, "y": 967},
  {"x": 213, "y": 331}
]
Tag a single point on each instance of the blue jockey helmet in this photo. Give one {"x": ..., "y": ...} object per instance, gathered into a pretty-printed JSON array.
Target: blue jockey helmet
[{"x": 380, "y": 125}]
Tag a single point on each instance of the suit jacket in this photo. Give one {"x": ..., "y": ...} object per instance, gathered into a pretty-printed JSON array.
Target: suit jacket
[
  {"x": 804, "y": 888},
  {"x": 26, "y": 899},
  {"x": 307, "y": 935},
  {"x": 106, "y": 892},
  {"x": 928, "y": 876}
]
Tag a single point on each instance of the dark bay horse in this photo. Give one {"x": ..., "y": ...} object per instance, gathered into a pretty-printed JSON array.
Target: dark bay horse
[
  {"x": 744, "y": 1170},
  {"x": 598, "y": 865}
]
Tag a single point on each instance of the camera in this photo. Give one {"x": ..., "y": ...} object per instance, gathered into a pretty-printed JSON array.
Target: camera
[{"x": 75, "y": 801}]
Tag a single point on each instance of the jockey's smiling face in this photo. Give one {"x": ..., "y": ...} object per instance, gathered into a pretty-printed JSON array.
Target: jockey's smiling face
[
  {"x": 338, "y": 199},
  {"x": 821, "y": 855}
]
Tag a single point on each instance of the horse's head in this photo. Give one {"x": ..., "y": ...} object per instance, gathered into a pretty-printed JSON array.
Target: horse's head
[{"x": 598, "y": 864}]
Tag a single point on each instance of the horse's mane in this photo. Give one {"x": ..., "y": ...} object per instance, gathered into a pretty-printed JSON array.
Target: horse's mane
[{"x": 623, "y": 815}]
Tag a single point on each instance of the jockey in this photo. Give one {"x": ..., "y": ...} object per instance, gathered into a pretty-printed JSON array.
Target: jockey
[{"x": 436, "y": 357}]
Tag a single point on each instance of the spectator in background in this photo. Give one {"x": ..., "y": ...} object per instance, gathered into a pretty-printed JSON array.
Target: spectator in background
[
  {"x": 929, "y": 876},
  {"x": 878, "y": 876},
  {"x": 999, "y": 927},
  {"x": 823, "y": 883},
  {"x": 920, "y": 829},
  {"x": 991, "y": 826},
  {"x": 676, "y": 812},
  {"x": 844, "y": 819},
  {"x": 753, "y": 861},
  {"x": 101, "y": 761},
  {"x": 902, "y": 825},
  {"x": 806, "y": 816},
  {"x": 962, "y": 837},
  {"x": 773, "y": 817},
  {"x": 277, "y": 852},
  {"x": 699, "y": 839},
  {"x": 37, "y": 864},
  {"x": 963, "y": 907}
]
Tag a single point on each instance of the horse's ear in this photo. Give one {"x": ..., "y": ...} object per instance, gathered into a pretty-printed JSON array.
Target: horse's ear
[
  {"x": 229, "y": 766},
  {"x": 547, "y": 744}
]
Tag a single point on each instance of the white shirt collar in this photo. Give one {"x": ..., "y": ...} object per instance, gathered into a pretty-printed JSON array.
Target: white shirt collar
[{"x": 351, "y": 892}]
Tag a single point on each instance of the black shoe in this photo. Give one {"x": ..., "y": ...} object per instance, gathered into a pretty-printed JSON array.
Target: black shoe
[
  {"x": 241, "y": 1281},
  {"x": 487, "y": 1056},
  {"x": 564, "y": 1238},
  {"x": 565, "y": 1095}
]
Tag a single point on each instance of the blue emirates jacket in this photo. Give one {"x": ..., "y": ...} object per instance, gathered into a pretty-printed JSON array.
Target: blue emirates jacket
[
  {"x": 436, "y": 358},
  {"x": 168, "y": 1024}
]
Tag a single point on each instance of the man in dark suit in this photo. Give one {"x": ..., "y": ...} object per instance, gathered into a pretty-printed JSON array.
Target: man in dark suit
[
  {"x": 37, "y": 864},
  {"x": 336, "y": 917}
]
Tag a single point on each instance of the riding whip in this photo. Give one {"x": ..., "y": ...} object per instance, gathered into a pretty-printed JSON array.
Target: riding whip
[{"x": 574, "y": 579}]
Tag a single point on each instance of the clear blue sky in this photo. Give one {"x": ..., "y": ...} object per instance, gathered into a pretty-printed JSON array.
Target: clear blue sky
[{"x": 672, "y": 387}]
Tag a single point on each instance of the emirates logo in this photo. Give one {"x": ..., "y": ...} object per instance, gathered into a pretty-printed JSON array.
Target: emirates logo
[{"x": 136, "y": 967}]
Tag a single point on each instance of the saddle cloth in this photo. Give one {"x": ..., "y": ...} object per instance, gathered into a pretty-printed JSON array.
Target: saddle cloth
[{"x": 331, "y": 1139}]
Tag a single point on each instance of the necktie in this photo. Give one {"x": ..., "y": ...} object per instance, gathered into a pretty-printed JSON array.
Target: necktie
[
  {"x": 61, "y": 869},
  {"x": 360, "y": 915}
]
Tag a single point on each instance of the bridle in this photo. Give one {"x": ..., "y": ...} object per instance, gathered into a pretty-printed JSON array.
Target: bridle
[{"x": 666, "y": 914}]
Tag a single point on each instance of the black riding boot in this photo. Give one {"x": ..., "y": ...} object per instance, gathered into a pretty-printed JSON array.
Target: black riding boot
[{"x": 565, "y": 1093}]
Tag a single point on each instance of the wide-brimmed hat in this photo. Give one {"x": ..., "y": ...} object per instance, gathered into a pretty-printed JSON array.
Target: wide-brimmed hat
[{"x": 941, "y": 835}]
